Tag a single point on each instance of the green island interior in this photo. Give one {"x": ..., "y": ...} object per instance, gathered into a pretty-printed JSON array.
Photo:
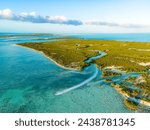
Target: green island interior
[{"x": 125, "y": 57}]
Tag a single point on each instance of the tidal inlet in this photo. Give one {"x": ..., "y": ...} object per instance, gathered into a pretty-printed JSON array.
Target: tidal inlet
[{"x": 50, "y": 63}]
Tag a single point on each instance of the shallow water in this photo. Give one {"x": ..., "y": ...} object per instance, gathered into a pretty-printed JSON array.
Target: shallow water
[{"x": 29, "y": 81}]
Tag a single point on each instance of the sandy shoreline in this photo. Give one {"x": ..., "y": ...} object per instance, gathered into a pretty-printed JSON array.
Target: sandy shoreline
[
  {"x": 125, "y": 95},
  {"x": 67, "y": 68}
]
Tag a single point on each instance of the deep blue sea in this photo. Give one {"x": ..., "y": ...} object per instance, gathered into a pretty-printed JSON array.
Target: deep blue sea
[
  {"x": 140, "y": 37},
  {"x": 29, "y": 80}
]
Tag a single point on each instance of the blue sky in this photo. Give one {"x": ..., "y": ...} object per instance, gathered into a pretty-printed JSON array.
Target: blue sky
[{"x": 75, "y": 16}]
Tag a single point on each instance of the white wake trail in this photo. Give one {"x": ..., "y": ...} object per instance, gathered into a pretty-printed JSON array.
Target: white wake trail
[
  {"x": 75, "y": 72},
  {"x": 80, "y": 84}
]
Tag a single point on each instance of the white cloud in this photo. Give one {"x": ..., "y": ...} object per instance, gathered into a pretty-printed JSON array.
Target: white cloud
[
  {"x": 23, "y": 14},
  {"x": 33, "y": 17},
  {"x": 6, "y": 13},
  {"x": 58, "y": 18},
  {"x": 100, "y": 23},
  {"x": 33, "y": 14}
]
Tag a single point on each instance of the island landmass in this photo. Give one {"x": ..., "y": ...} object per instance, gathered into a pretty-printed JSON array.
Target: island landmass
[{"x": 123, "y": 58}]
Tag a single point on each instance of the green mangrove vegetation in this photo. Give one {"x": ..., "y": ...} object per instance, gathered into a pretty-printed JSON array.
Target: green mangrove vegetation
[
  {"x": 131, "y": 105},
  {"x": 127, "y": 57},
  {"x": 110, "y": 73},
  {"x": 118, "y": 53}
]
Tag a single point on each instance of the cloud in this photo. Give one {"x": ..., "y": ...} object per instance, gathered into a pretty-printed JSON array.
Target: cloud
[
  {"x": 99, "y": 23},
  {"x": 6, "y": 14},
  {"x": 33, "y": 17}
]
